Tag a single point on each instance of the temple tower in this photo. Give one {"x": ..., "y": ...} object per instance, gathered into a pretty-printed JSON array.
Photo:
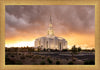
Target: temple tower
[{"x": 50, "y": 29}]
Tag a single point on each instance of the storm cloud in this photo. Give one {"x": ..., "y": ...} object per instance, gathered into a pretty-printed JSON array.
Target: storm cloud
[{"x": 33, "y": 20}]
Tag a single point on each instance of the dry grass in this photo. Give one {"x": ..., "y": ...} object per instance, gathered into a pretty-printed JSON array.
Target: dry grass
[{"x": 36, "y": 59}]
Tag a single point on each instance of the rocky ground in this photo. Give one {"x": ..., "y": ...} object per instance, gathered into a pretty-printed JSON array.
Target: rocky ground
[{"x": 48, "y": 58}]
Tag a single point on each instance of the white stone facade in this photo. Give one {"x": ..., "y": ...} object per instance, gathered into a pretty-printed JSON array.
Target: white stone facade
[{"x": 51, "y": 41}]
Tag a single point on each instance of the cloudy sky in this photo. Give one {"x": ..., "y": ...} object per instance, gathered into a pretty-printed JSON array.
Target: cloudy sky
[{"x": 26, "y": 23}]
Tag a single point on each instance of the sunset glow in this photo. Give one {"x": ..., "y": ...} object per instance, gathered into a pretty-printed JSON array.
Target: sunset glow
[
  {"x": 31, "y": 22},
  {"x": 84, "y": 41}
]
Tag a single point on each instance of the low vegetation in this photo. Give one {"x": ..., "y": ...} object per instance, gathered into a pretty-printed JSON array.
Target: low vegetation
[
  {"x": 9, "y": 61},
  {"x": 42, "y": 63},
  {"x": 89, "y": 62},
  {"x": 57, "y": 62},
  {"x": 70, "y": 63},
  {"x": 22, "y": 57},
  {"x": 49, "y": 61},
  {"x": 53, "y": 57}
]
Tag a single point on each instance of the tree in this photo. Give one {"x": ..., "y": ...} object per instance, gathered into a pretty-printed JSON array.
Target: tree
[
  {"x": 44, "y": 49},
  {"x": 93, "y": 50},
  {"x": 74, "y": 51},
  {"x": 42, "y": 63},
  {"x": 79, "y": 49},
  {"x": 64, "y": 50},
  {"x": 49, "y": 61},
  {"x": 57, "y": 62}
]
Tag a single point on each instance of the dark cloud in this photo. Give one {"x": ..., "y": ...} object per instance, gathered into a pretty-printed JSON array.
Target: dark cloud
[{"x": 35, "y": 19}]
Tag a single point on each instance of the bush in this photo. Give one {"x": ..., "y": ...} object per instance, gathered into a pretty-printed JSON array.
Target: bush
[
  {"x": 22, "y": 57},
  {"x": 74, "y": 59},
  {"x": 42, "y": 57},
  {"x": 89, "y": 62},
  {"x": 57, "y": 62},
  {"x": 50, "y": 61},
  {"x": 15, "y": 53},
  {"x": 29, "y": 56},
  {"x": 64, "y": 50},
  {"x": 18, "y": 62},
  {"x": 9, "y": 62},
  {"x": 42, "y": 63},
  {"x": 19, "y": 53},
  {"x": 6, "y": 55},
  {"x": 70, "y": 63},
  {"x": 12, "y": 56}
]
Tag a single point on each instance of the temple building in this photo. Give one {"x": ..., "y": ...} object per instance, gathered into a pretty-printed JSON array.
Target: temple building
[{"x": 51, "y": 41}]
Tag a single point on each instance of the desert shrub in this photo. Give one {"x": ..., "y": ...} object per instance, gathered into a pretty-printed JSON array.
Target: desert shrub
[
  {"x": 42, "y": 57},
  {"x": 22, "y": 57},
  {"x": 6, "y": 55},
  {"x": 33, "y": 57},
  {"x": 29, "y": 56},
  {"x": 37, "y": 56},
  {"x": 57, "y": 62},
  {"x": 8, "y": 61},
  {"x": 19, "y": 53},
  {"x": 67, "y": 59},
  {"x": 12, "y": 56},
  {"x": 15, "y": 53},
  {"x": 42, "y": 63},
  {"x": 50, "y": 61},
  {"x": 18, "y": 63},
  {"x": 89, "y": 62},
  {"x": 74, "y": 59},
  {"x": 64, "y": 50},
  {"x": 70, "y": 63}
]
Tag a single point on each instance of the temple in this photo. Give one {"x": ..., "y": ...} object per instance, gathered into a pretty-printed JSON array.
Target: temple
[{"x": 51, "y": 41}]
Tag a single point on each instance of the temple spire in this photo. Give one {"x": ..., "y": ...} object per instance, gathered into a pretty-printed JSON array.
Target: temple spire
[
  {"x": 50, "y": 20},
  {"x": 50, "y": 30}
]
